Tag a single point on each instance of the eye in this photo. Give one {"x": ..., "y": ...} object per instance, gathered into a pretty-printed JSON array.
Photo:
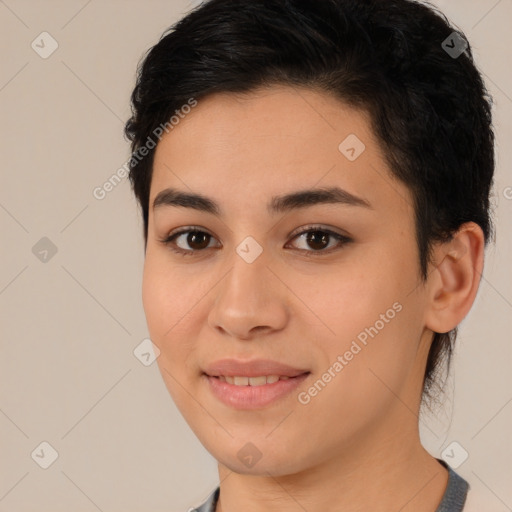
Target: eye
[
  {"x": 198, "y": 239},
  {"x": 318, "y": 237}
]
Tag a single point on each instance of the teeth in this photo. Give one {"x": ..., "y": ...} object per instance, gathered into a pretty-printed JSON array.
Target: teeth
[
  {"x": 252, "y": 381},
  {"x": 257, "y": 381}
]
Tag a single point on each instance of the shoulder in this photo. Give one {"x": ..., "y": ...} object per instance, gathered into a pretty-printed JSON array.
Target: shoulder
[
  {"x": 469, "y": 496},
  {"x": 479, "y": 500},
  {"x": 209, "y": 505}
]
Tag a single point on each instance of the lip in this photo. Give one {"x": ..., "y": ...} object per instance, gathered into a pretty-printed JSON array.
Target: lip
[
  {"x": 252, "y": 397},
  {"x": 252, "y": 368}
]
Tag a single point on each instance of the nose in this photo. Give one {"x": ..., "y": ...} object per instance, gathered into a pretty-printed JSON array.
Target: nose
[{"x": 250, "y": 299}]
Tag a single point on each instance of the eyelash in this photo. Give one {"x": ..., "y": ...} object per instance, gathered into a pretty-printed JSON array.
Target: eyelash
[{"x": 342, "y": 240}]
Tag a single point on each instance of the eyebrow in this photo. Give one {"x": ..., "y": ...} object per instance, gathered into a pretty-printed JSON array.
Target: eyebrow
[{"x": 277, "y": 204}]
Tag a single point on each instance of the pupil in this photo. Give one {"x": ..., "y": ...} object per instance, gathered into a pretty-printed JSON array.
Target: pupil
[
  {"x": 192, "y": 238},
  {"x": 312, "y": 238}
]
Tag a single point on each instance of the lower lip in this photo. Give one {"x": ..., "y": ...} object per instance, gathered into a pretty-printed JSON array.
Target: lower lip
[{"x": 252, "y": 397}]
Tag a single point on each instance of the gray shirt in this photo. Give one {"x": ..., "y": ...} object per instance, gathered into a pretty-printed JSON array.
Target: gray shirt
[{"x": 453, "y": 499}]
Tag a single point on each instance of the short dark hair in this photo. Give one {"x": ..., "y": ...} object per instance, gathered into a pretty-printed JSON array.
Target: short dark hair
[{"x": 428, "y": 106}]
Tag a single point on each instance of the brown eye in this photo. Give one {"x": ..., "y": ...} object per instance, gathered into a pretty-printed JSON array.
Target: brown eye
[
  {"x": 317, "y": 239},
  {"x": 192, "y": 241},
  {"x": 197, "y": 239}
]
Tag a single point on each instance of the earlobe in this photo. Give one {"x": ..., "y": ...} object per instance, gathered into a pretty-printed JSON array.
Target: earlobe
[{"x": 453, "y": 282}]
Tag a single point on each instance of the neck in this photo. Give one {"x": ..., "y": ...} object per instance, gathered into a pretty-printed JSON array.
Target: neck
[{"x": 378, "y": 473}]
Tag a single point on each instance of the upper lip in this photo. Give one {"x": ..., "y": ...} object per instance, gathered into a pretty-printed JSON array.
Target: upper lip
[{"x": 252, "y": 368}]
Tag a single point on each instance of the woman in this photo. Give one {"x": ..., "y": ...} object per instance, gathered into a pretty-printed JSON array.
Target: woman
[{"x": 314, "y": 180}]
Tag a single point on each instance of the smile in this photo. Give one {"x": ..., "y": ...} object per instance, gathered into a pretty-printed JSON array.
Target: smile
[
  {"x": 252, "y": 381},
  {"x": 249, "y": 393}
]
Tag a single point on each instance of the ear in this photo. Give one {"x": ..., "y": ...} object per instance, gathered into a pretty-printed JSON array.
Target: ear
[{"x": 453, "y": 281}]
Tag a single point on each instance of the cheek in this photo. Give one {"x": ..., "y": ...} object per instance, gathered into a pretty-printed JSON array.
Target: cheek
[
  {"x": 168, "y": 305},
  {"x": 349, "y": 298},
  {"x": 168, "y": 298},
  {"x": 367, "y": 380},
  {"x": 156, "y": 298},
  {"x": 370, "y": 319},
  {"x": 166, "y": 293}
]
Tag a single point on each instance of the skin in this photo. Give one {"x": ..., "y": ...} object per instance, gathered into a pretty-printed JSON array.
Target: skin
[{"x": 355, "y": 446}]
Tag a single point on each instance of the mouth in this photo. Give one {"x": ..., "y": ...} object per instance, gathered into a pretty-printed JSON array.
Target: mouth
[
  {"x": 252, "y": 384},
  {"x": 251, "y": 393},
  {"x": 240, "y": 380},
  {"x": 253, "y": 369}
]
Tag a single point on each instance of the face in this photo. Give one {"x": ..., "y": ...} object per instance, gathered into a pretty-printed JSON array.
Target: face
[{"x": 326, "y": 284}]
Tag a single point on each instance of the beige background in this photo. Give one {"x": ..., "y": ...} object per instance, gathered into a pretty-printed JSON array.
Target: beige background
[{"x": 70, "y": 325}]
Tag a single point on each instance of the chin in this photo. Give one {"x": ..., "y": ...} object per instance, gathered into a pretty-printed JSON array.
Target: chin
[{"x": 258, "y": 459}]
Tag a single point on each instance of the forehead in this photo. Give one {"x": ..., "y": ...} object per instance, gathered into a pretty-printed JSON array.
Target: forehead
[{"x": 270, "y": 141}]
